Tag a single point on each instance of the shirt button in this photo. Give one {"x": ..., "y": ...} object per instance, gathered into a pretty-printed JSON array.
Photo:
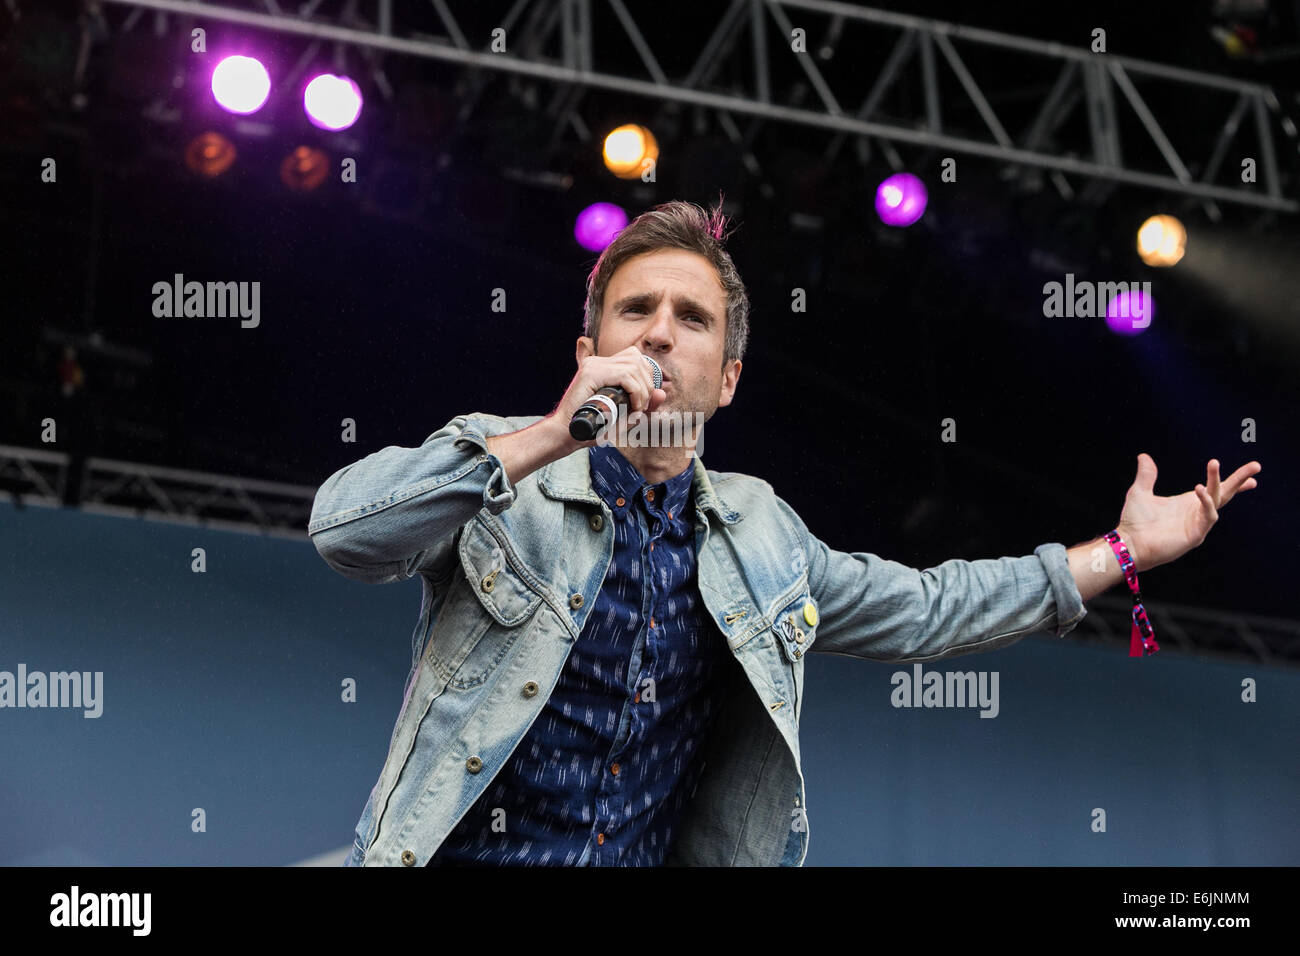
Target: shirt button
[
  {"x": 408, "y": 858},
  {"x": 637, "y": 699},
  {"x": 652, "y": 622},
  {"x": 614, "y": 770},
  {"x": 670, "y": 516},
  {"x": 530, "y": 689},
  {"x": 473, "y": 764},
  {"x": 652, "y": 545},
  {"x": 600, "y": 838},
  {"x": 620, "y": 501},
  {"x": 650, "y": 494},
  {"x": 597, "y": 522},
  {"x": 575, "y": 600}
]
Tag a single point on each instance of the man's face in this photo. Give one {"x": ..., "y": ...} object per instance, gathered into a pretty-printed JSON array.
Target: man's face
[{"x": 670, "y": 305}]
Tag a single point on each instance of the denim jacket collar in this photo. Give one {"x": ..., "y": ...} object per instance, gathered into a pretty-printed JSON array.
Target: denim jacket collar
[{"x": 569, "y": 479}]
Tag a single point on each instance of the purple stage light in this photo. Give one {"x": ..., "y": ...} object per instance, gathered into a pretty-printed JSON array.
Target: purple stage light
[
  {"x": 598, "y": 224},
  {"x": 332, "y": 102},
  {"x": 1130, "y": 313},
  {"x": 240, "y": 84},
  {"x": 900, "y": 200}
]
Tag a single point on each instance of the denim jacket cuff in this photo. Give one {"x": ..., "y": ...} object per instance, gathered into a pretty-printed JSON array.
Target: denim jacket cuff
[
  {"x": 1069, "y": 603},
  {"x": 499, "y": 493}
]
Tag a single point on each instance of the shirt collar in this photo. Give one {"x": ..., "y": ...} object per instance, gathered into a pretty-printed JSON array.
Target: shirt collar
[{"x": 614, "y": 477}]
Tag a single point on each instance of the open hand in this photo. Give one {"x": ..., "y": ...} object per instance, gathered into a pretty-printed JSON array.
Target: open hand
[{"x": 1158, "y": 529}]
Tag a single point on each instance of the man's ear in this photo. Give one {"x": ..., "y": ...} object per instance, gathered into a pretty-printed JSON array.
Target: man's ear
[
  {"x": 730, "y": 379},
  {"x": 586, "y": 346}
]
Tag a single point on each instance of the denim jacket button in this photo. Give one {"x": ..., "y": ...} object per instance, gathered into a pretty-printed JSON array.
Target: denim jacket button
[
  {"x": 530, "y": 689},
  {"x": 473, "y": 764},
  {"x": 408, "y": 858},
  {"x": 575, "y": 600},
  {"x": 597, "y": 522}
]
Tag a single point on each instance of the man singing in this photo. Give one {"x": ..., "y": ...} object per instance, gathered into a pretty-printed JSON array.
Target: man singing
[{"x": 608, "y": 665}]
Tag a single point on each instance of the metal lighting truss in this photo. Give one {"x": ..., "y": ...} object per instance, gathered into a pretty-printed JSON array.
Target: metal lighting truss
[
  {"x": 1197, "y": 630},
  {"x": 1101, "y": 82},
  {"x": 38, "y": 477},
  {"x": 124, "y": 489}
]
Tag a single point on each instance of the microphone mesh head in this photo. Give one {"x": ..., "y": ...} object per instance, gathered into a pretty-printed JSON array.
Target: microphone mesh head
[{"x": 655, "y": 371}]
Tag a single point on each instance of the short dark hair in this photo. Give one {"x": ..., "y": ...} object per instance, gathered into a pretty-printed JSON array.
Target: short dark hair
[{"x": 675, "y": 225}]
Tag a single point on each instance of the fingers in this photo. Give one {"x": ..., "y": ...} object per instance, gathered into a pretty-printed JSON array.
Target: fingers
[
  {"x": 1211, "y": 513},
  {"x": 638, "y": 390},
  {"x": 1212, "y": 479},
  {"x": 630, "y": 371},
  {"x": 1146, "y": 473},
  {"x": 634, "y": 378},
  {"x": 1240, "y": 480}
]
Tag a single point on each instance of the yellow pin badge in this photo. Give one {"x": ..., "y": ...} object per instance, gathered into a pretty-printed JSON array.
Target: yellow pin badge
[{"x": 810, "y": 614}]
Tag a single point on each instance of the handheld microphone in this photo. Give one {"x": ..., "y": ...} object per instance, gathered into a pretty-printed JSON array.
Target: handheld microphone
[{"x": 602, "y": 407}]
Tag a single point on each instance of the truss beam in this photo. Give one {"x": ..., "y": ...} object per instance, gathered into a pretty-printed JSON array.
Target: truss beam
[{"x": 1100, "y": 76}]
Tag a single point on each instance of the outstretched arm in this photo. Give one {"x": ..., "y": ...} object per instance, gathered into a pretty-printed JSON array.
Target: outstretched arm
[
  {"x": 883, "y": 610},
  {"x": 877, "y": 609}
]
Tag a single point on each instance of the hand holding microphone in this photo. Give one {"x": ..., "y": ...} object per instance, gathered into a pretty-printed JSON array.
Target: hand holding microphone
[{"x": 602, "y": 384}]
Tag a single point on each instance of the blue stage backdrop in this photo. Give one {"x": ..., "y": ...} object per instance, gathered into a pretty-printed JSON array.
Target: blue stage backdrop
[{"x": 222, "y": 693}]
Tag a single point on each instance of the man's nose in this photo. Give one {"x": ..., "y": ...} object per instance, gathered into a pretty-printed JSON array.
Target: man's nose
[{"x": 660, "y": 331}]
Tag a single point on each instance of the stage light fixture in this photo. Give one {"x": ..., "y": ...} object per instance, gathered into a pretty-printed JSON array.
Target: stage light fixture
[
  {"x": 598, "y": 224},
  {"x": 304, "y": 169},
  {"x": 1130, "y": 312},
  {"x": 1161, "y": 241},
  {"x": 332, "y": 102},
  {"x": 240, "y": 84},
  {"x": 627, "y": 149},
  {"x": 900, "y": 200},
  {"x": 210, "y": 154}
]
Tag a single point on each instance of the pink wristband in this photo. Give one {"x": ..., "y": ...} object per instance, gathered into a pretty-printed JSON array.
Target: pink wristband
[{"x": 1142, "y": 642}]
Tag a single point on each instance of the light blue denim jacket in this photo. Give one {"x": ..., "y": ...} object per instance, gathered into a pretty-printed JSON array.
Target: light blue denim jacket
[{"x": 510, "y": 573}]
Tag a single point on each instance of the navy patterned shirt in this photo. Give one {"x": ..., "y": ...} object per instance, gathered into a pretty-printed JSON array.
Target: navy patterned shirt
[{"x": 605, "y": 770}]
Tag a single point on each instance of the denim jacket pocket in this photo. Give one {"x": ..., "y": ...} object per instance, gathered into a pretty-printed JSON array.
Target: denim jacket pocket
[
  {"x": 499, "y": 585},
  {"x": 793, "y": 632},
  {"x": 491, "y": 620}
]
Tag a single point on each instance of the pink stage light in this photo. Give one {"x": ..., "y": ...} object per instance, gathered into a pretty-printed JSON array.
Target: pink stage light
[
  {"x": 332, "y": 102},
  {"x": 598, "y": 224},
  {"x": 900, "y": 200},
  {"x": 1130, "y": 313},
  {"x": 240, "y": 84}
]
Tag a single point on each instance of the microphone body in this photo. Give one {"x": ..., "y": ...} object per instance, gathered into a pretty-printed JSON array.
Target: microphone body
[{"x": 602, "y": 407}]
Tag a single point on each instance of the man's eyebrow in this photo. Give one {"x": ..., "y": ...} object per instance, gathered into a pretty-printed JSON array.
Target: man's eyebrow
[{"x": 684, "y": 303}]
